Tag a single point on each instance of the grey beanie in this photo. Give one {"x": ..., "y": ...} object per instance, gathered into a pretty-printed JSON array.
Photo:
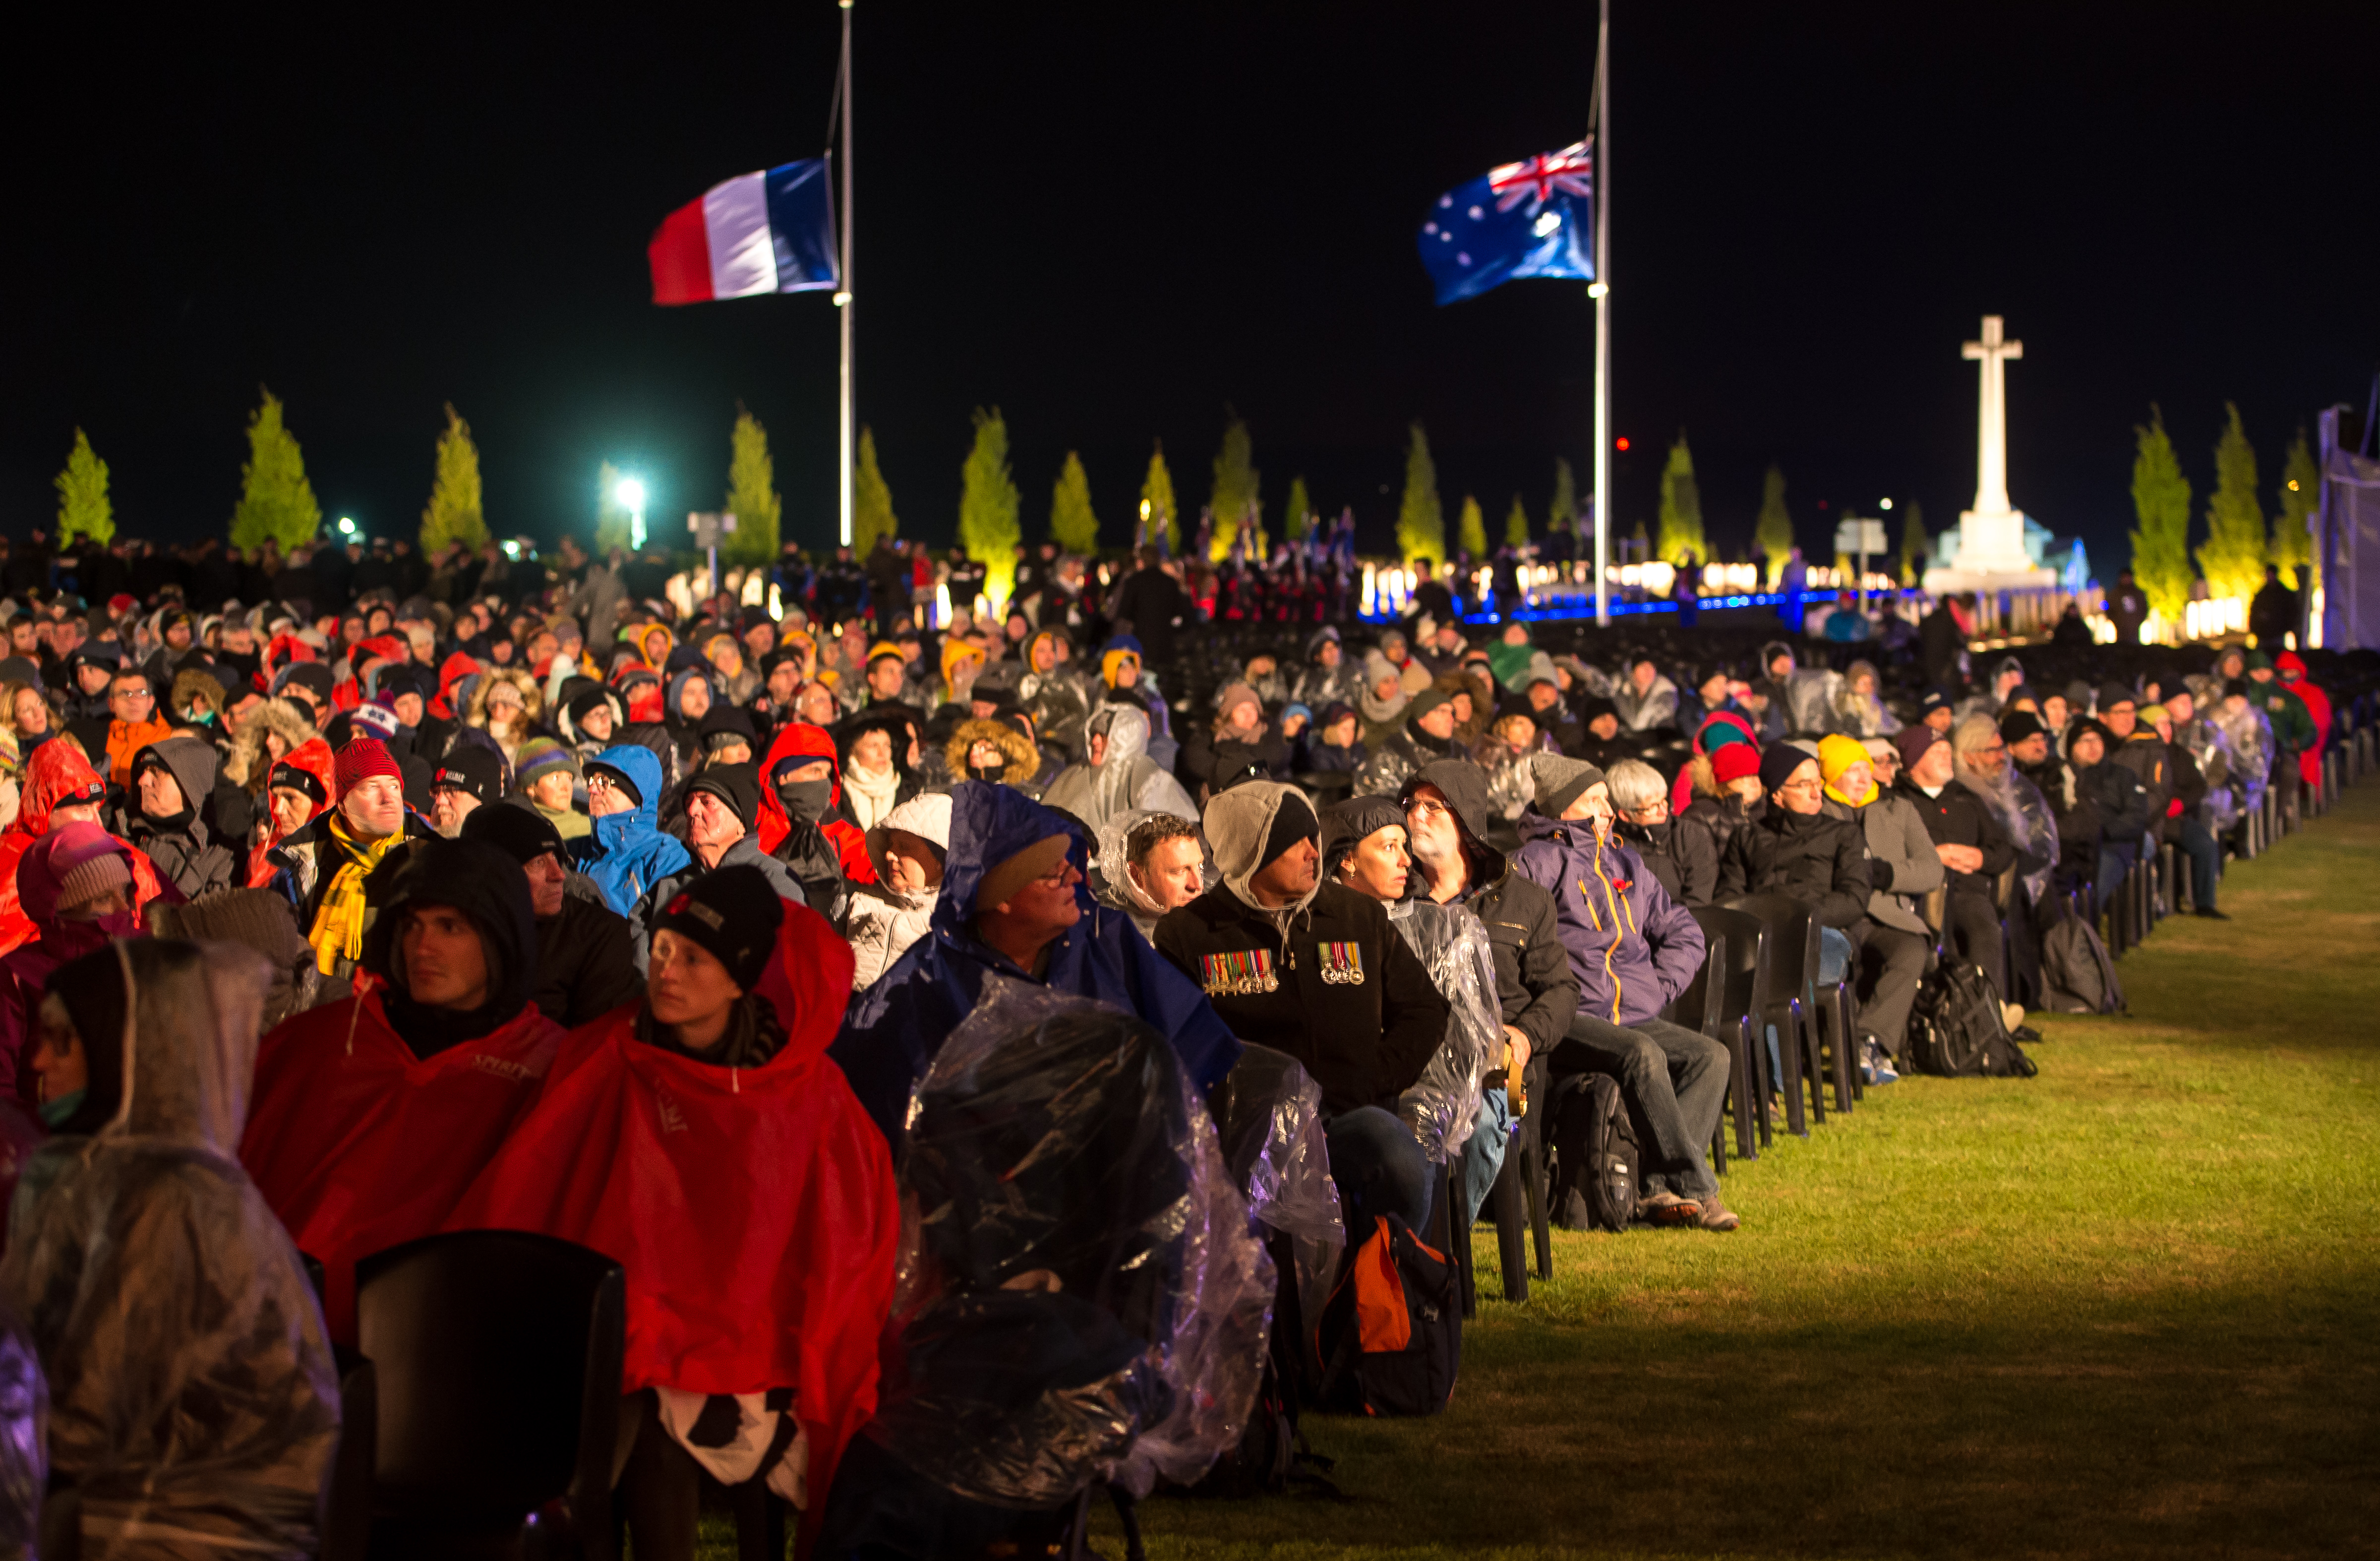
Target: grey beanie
[{"x": 1560, "y": 782}]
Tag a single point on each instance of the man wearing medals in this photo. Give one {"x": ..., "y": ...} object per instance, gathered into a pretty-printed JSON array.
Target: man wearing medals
[{"x": 1316, "y": 970}]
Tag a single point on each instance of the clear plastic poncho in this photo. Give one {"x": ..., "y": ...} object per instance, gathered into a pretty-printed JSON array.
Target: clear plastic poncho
[
  {"x": 24, "y": 1440},
  {"x": 193, "y": 1402},
  {"x": 2025, "y": 812},
  {"x": 1269, "y": 1116},
  {"x": 1079, "y": 1295},
  {"x": 1443, "y": 1103},
  {"x": 1114, "y": 887}
]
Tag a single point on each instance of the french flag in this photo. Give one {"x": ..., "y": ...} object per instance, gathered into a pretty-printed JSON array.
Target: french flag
[{"x": 771, "y": 232}]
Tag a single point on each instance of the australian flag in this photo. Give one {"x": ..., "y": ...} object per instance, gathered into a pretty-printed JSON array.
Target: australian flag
[{"x": 1530, "y": 218}]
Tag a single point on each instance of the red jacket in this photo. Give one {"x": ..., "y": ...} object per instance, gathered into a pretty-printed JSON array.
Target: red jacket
[
  {"x": 2290, "y": 668},
  {"x": 753, "y": 1209},
  {"x": 800, "y": 740},
  {"x": 314, "y": 757},
  {"x": 55, "y": 775},
  {"x": 358, "y": 1145}
]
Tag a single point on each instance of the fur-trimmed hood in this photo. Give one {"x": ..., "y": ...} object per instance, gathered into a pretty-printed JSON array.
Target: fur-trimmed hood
[
  {"x": 1024, "y": 759},
  {"x": 532, "y": 698},
  {"x": 248, "y": 765}
]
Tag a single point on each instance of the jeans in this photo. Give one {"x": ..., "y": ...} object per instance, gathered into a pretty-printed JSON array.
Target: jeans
[
  {"x": 1483, "y": 1153},
  {"x": 1380, "y": 1169},
  {"x": 1673, "y": 1078},
  {"x": 2205, "y": 853},
  {"x": 2115, "y": 865}
]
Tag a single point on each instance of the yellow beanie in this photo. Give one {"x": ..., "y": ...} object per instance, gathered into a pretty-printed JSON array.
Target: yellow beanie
[{"x": 1837, "y": 754}]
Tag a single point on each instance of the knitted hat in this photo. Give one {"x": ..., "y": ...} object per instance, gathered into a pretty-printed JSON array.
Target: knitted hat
[
  {"x": 312, "y": 675},
  {"x": 522, "y": 833},
  {"x": 296, "y": 778},
  {"x": 2115, "y": 694},
  {"x": 540, "y": 756},
  {"x": 1560, "y": 782},
  {"x": 738, "y": 786},
  {"x": 1781, "y": 758},
  {"x": 1348, "y": 825},
  {"x": 726, "y": 725},
  {"x": 1235, "y": 694},
  {"x": 1838, "y": 753},
  {"x": 2019, "y": 724},
  {"x": 1734, "y": 761},
  {"x": 378, "y": 717},
  {"x": 88, "y": 866},
  {"x": 1912, "y": 743},
  {"x": 1424, "y": 702},
  {"x": 733, "y": 914},
  {"x": 619, "y": 778},
  {"x": 1292, "y": 821},
  {"x": 360, "y": 761},
  {"x": 2150, "y": 715},
  {"x": 472, "y": 768}
]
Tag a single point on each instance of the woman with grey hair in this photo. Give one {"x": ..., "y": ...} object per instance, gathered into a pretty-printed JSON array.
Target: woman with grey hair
[{"x": 1681, "y": 856}]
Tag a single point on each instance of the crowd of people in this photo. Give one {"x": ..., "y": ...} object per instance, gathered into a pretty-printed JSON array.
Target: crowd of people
[{"x": 414, "y": 910}]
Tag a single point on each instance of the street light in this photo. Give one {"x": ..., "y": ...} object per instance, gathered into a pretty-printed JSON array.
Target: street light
[
  {"x": 1883, "y": 503},
  {"x": 346, "y": 526},
  {"x": 631, "y": 494}
]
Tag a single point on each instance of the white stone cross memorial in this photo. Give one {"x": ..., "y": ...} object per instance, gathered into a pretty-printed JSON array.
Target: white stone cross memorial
[{"x": 1991, "y": 535}]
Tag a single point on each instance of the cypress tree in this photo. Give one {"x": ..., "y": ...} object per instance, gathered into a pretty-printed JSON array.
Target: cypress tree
[
  {"x": 2161, "y": 500},
  {"x": 1421, "y": 520},
  {"x": 277, "y": 503},
  {"x": 988, "y": 506},
  {"x": 1474, "y": 532},
  {"x": 2233, "y": 558},
  {"x": 84, "y": 509},
  {"x": 2301, "y": 494},
  {"x": 1562, "y": 514},
  {"x": 871, "y": 499},
  {"x": 1517, "y": 525},
  {"x": 751, "y": 494},
  {"x": 1772, "y": 531},
  {"x": 1916, "y": 547},
  {"x": 453, "y": 513},
  {"x": 1234, "y": 494},
  {"x": 612, "y": 517},
  {"x": 1163, "y": 514},
  {"x": 1682, "y": 507},
  {"x": 1071, "y": 524},
  {"x": 1299, "y": 518}
]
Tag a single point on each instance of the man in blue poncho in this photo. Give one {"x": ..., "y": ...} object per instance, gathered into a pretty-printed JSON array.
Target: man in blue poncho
[
  {"x": 1013, "y": 901},
  {"x": 624, "y": 792}
]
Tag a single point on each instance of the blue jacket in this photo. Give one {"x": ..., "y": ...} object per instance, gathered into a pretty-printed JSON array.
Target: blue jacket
[
  {"x": 637, "y": 855},
  {"x": 1632, "y": 946},
  {"x": 894, "y": 1028}
]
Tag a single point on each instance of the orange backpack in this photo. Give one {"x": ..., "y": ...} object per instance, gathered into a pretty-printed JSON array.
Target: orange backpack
[{"x": 1391, "y": 1339}]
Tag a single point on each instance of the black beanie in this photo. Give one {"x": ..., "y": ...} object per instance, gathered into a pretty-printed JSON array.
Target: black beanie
[
  {"x": 738, "y": 786},
  {"x": 1777, "y": 762},
  {"x": 2019, "y": 724},
  {"x": 470, "y": 768},
  {"x": 521, "y": 833},
  {"x": 733, "y": 913},
  {"x": 1292, "y": 821},
  {"x": 1424, "y": 702}
]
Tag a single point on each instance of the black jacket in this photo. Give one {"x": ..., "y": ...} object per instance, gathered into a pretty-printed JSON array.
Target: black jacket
[
  {"x": 1157, "y": 608},
  {"x": 1534, "y": 986},
  {"x": 2149, "y": 757},
  {"x": 1678, "y": 852},
  {"x": 1348, "y": 998},
  {"x": 1809, "y": 856},
  {"x": 586, "y": 963},
  {"x": 1958, "y": 817}
]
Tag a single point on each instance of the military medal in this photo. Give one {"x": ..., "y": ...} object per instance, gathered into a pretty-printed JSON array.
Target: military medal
[
  {"x": 1343, "y": 963},
  {"x": 1241, "y": 974}
]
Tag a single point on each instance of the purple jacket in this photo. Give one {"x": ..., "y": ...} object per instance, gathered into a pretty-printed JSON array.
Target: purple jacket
[{"x": 1634, "y": 947}]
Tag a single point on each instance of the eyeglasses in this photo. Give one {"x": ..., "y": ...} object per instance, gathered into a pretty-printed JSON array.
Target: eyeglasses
[
  {"x": 1427, "y": 809},
  {"x": 138, "y": 696},
  {"x": 1803, "y": 785}
]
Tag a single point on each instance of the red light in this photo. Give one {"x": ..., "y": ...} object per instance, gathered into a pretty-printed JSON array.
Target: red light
[{"x": 1620, "y": 443}]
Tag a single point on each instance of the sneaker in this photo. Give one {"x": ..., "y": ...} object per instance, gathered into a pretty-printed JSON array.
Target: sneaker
[
  {"x": 2211, "y": 913},
  {"x": 1717, "y": 1216},
  {"x": 2012, "y": 1016},
  {"x": 1875, "y": 1064},
  {"x": 1667, "y": 1208}
]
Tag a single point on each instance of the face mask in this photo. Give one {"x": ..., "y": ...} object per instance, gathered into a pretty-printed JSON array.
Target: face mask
[
  {"x": 988, "y": 772},
  {"x": 55, "y": 1113},
  {"x": 804, "y": 800}
]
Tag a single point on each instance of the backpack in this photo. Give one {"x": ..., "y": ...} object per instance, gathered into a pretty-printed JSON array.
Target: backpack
[
  {"x": 1596, "y": 1158},
  {"x": 1956, "y": 1032},
  {"x": 1272, "y": 1454},
  {"x": 2077, "y": 976},
  {"x": 1391, "y": 1340}
]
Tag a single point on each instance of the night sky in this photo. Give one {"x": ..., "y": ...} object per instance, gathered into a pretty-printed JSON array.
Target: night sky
[{"x": 1115, "y": 221}]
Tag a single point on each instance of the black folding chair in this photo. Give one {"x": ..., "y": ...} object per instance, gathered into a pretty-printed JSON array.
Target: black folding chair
[
  {"x": 1794, "y": 1002},
  {"x": 1518, "y": 1197},
  {"x": 1738, "y": 948},
  {"x": 485, "y": 1418}
]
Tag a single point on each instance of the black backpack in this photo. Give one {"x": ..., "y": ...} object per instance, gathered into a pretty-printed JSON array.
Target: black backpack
[
  {"x": 1955, "y": 1029},
  {"x": 1390, "y": 1341},
  {"x": 1596, "y": 1163},
  {"x": 2077, "y": 976}
]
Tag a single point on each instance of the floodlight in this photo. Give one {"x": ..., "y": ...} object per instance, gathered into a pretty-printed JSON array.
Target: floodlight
[{"x": 630, "y": 492}]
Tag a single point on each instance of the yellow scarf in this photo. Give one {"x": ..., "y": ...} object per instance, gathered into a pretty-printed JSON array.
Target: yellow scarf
[{"x": 339, "y": 927}]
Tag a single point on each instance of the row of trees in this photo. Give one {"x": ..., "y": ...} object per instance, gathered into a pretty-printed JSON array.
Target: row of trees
[{"x": 2238, "y": 543}]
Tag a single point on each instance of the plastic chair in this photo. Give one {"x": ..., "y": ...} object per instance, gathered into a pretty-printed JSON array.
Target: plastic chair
[
  {"x": 1697, "y": 1007},
  {"x": 1518, "y": 1197},
  {"x": 1792, "y": 938},
  {"x": 1744, "y": 939},
  {"x": 485, "y": 1418}
]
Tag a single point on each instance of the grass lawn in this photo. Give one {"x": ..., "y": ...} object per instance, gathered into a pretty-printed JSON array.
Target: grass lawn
[{"x": 2127, "y": 1308}]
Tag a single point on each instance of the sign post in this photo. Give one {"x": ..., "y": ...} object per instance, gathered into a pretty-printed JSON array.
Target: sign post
[
  {"x": 1859, "y": 538},
  {"x": 706, "y": 525}
]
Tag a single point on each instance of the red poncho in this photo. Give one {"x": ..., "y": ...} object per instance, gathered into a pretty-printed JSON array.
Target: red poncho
[
  {"x": 358, "y": 1145},
  {"x": 753, "y": 1209}
]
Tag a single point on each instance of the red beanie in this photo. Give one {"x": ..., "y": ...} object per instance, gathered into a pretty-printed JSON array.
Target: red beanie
[
  {"x": 1734, "y": 761},
  {"x": 359, "y": 761}
]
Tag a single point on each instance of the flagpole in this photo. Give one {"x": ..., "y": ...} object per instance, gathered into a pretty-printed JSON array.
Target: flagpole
[
  {"x": 1602, "y": 290},
  {"x": 846, "y": 444}
]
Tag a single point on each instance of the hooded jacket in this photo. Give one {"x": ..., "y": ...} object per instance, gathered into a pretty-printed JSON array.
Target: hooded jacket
[
  {"x": 187, "y": 850},
  {"x": 791, "y": 1292},
  {"x": 315, "y": 758},
  {"x": 1327, "y": 979},
  {"x": 55, "y": 774},
  {"x": 1809, "y": 856},
  {"x": 1631, "y": 947},
  {"x": 634, "y": 855},
  {"x": 361, "y": 1138},
  {"x": 194, "y": 1405},
  {"x": 1535, "y": 989},
  {"x": 894, "y": 1028},
  {"x": 844, "y": 840},
  {"x": 2291, "y": 670}
]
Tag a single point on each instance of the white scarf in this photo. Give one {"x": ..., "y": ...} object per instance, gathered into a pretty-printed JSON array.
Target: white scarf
[{"x": 871, "y": 795}]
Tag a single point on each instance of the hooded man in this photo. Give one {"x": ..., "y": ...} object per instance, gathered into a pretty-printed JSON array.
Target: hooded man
[
  {"x": 716, "y": 1084},
  {"x": 624, "y": 791},
  {"x": 372, "y": 1114},
  {"x": 1315, "y": 970},
  {"x": 1117, "y": 776},
  {"x": 1013, "y": 903},
  {"x": 585, "y": 965},
  {"x": 60, "y": 789},
  {"x": 1427, "y": 737},
  {"x": 722, "y": 804},
  {"x": 193, "y": 1399},
  {"x": 799, "y": 823},
  {"x": 173, "y": 782},
  {"x": 1633, "y": 949}
]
